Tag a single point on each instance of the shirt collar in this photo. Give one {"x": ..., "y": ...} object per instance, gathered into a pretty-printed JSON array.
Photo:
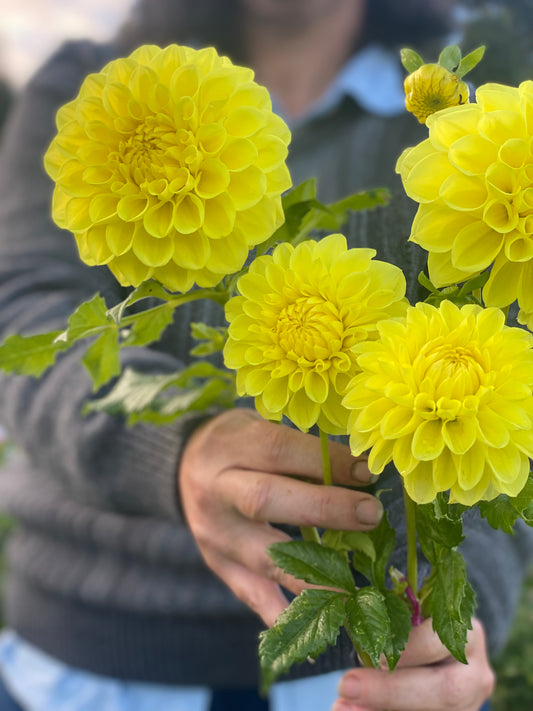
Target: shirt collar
[{"x": 372, "y": 77}]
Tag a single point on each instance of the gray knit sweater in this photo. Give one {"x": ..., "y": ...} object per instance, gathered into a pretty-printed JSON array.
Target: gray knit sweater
[{"x": 103, "y": 572}]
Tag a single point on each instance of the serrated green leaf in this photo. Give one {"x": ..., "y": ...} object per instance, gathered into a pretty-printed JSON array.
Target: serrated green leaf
[
  {"x": 30, "y": 355},
  {"x": 477, "y": 282},
  {"x": 451, "y": 602},
  {"x": 470, "y": 61},
  {"x": 400, "y": 627},
  {"x": 367, "y": 623},
  {"x": 424, "y": 281},
  {"x": 148, "y": 289},
  {"x": 159, "y": 399},
  {"x": 410, "y": 59},
  {"x": 302, "y": 192},
  {"x": 314, "y": 563},
  {"x": 350, "y": 541},
  {"x": 147, "y": 326},
  {"x": 334, "y": 215},
  {"x": 304, "y": 629},
  {"x": 500, "y": 513},
  {"x": 89, "y": 318},
  {"x": 436, "y": 529},
  {"x": 212, "y": 339},
  {"x": 383, "y": 538},
  {"x": 450, "y": 57},
  {"x": 294, "y": 216},
  {"x": 503, "y": 511},
  {"x": 102, "y": 359}
]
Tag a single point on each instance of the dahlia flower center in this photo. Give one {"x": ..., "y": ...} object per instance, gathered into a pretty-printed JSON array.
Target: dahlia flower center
[
  {"x": 457, "y": 368},
  {"x": 155, "y": 152},
  {"x": 310, "y": 328}
]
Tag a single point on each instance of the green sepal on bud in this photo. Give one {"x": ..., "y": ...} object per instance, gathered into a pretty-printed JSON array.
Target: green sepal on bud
[{"x": 430, "y": 87}]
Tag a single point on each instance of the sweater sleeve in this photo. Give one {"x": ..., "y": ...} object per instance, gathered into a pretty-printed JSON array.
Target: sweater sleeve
[{"x": 42, "y": 281}]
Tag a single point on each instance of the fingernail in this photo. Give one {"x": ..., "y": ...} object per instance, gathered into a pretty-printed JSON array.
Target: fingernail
[
  {"x": 361, "y": 474},
  {"x": 349, "y": 688},
  {"x": 369, "y": 512}
]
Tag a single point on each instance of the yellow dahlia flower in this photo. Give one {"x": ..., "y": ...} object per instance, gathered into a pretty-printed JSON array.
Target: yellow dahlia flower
[
  {"x": 169, "y": 164},
  {"x": 431, "y": 88},
  {"x": 446, "y": 394},
  {"x": 473, "y": 178},
  {"x": 293, "y": 328}
]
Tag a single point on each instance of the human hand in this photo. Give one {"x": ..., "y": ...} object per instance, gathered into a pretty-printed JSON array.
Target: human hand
[
  {"x": 427, "y": 678},
  {"x": 238, "y": 474}
]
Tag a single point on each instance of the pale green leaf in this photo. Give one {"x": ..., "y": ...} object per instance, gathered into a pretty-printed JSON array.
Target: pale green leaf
[
  {"x": 102, "y": 358},
  {"x": 450, "y": 57},
  {"x": 87, "y": 320},
  {"x": 410, "y": 59},
  {"x": 350, "y": 541},
  {"x": 147, "y": 326},
  {"x": 383, "y": 538},
  {"x": 30, "y": 355},
  {"x": 470, "y": 61}
]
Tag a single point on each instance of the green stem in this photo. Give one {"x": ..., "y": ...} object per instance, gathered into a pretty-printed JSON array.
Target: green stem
[
  {"x": 326, "y": 462},
  {"x": 309, "y": 533},
  {"x": 212, "y": 294},
  {"x": 412, "y": 561}
]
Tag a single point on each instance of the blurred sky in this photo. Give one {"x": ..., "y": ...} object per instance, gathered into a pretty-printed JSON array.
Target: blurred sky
[{"x": 31, "y": 29}]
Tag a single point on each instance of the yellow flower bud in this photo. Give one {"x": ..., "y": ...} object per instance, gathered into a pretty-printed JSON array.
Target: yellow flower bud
[{"x": 432, "y": 88}]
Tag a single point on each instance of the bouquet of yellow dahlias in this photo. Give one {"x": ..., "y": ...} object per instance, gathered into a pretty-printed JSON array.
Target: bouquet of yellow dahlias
[{"x": 169, "y": 167}]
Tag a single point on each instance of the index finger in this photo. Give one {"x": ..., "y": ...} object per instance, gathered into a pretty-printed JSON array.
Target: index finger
[{"x": 244, "y": 440}]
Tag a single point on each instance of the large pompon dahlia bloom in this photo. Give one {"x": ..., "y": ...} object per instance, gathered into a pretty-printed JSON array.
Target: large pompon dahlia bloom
[
  {"x": 293, "y": 328},
  {"x": 446, "y": 394},
  {"x": 473, "y": 178},
  {"x": 169, "y": 165}
]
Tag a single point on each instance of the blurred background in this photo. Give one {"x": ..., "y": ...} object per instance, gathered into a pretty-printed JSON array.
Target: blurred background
[{"x": 30, "y": 30}]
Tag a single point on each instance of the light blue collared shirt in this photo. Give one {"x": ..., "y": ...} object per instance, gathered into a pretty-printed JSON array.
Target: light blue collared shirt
[{"x": 373, "y": 78}]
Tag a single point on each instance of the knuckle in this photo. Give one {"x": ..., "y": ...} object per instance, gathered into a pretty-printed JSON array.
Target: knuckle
[
  {"x": 254, "y": 498},
  {"x": 451, "y": 689}
]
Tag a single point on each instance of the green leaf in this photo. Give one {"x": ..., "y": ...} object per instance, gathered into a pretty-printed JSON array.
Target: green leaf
[
  {"x": 102, "y": 359},
  {"x": 400, "y": 627},
  {"x": 350, "y": 541},
  {"x": 367, "y": 623},
  {"x": 30, "y": 355},
  {"x": 304, "y": 629},
  {"x": 410, "y": 59},
  {"x": 451, "y": 602},
  {"x": 88, "y": 320},
  {"x": 335, "y": 215},
  {"x": 314, "y": 563},
  {"x": 436, "y": 529},
  {"x": 148, "y": 326},
  {"x": 470, "y": 61},
  {"x": 384, "y": 539},
  {"x": 301, "y": 193},
  {"x": 450, "y": 57},
  {"x": 477, "y": 282},
  {"x": 500, "y": 513},
  {"x": 212, "y": 339},
  {"x": 147, "y": 290},
  {"x": 161, "y": 398},
  {"x": 503, "y": 511}
]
